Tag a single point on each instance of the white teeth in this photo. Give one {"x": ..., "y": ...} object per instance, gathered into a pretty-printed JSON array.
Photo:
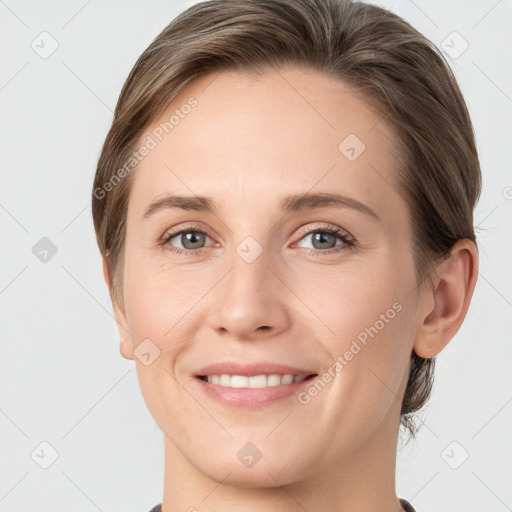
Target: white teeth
[
  {"x": 239, "y": 381},
  {"x": 273, "y": 380},
  {"x": 256, "y": 381}
]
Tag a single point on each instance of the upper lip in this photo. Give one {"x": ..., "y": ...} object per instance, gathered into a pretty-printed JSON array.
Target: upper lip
[{"x": 251, "y": 369}]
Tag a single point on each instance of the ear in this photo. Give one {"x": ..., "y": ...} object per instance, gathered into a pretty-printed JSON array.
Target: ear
[
  {"x": 125, "y": 344},
  {"x": 447, "y": 301}
]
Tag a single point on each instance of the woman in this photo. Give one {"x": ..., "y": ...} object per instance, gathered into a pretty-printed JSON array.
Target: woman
[{"x": 284, "y": 206}]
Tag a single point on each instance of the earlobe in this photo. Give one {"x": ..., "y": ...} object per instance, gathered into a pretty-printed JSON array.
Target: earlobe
[
  {"x": 455, "y": 280},
  {"x": 125, "y": 347}
]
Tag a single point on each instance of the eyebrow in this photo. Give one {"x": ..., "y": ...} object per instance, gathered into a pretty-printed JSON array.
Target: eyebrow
[{"x": 290, "y": 203}]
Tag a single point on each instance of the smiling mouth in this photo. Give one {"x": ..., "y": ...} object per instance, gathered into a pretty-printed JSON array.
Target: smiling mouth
[{"x": 255, "y": 381}]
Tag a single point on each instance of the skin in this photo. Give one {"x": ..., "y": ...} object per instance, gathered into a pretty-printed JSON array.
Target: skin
[{"x": 247, "y": 143}]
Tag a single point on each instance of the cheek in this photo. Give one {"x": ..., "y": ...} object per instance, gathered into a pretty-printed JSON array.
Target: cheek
[
  {"x": 374, "y": 339},
  {"x": 163, "y": 306},
  {"x": 376, "y": 374},
  {"x": 371, "y": 363},
  {"x": 155, "y": 297},
  {"x": 159, "y": 307},
  {"x": 354, "y": 300},
  {"x": 368, "y": 312}
]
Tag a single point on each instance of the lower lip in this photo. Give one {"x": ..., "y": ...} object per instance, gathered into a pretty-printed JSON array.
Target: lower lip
[{"x": 251, "y": 397}]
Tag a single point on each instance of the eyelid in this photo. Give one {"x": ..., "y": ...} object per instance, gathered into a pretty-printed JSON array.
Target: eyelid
[
  {"x": 308, "y": 229},
  {"x": 193, "y": 226}
]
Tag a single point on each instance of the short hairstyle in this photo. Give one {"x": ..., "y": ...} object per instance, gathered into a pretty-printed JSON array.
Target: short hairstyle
[{"x": 375, "y": 53}]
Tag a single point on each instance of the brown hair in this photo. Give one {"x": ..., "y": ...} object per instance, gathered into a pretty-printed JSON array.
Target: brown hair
[{"x": 401, "y": 74}]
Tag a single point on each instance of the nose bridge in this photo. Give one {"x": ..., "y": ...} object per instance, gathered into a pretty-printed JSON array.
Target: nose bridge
[
  {"x": 249, "y": 272},
  {"x": 248, "y": 297},
  {"x": 252, "y": 261}
]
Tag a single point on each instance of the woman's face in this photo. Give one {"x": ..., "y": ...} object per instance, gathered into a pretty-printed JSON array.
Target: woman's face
[{"x": 260, "y": 279}]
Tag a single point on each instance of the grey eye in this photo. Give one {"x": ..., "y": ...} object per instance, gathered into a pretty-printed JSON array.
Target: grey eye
[
  {"x": 192, "y": 239},
  {"x": 324, "y": 240}
]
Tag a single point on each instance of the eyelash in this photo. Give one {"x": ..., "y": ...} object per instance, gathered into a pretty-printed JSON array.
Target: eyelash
[{"x": 349, "y": 243}]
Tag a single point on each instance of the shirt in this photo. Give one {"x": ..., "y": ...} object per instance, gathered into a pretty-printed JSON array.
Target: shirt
[{"x": 405, "y": 505}]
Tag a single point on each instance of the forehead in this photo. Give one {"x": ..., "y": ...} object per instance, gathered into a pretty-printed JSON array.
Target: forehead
[{"x": 250, "y": 138}]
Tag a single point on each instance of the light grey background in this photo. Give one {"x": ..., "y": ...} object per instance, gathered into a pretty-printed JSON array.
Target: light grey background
[{"x": 62, "y": 378}]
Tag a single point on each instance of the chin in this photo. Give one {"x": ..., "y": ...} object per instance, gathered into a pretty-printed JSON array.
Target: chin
[
  {"x": 243, "y": 465},
  {"x": 259, "y": 476}
]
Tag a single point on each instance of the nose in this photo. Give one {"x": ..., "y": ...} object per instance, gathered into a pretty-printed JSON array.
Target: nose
[{"x": 250, "y": 301}]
